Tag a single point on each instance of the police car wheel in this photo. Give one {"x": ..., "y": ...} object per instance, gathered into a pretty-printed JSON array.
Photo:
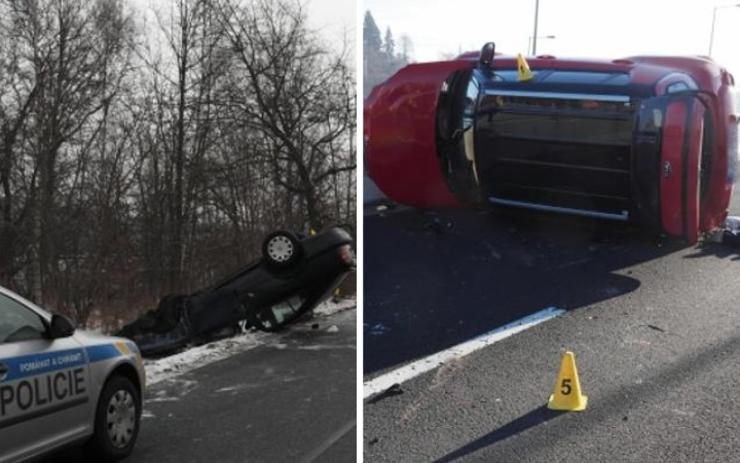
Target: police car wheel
[
  {"x": 117, "y": 419},
  {"x": 281, "y": 249}
]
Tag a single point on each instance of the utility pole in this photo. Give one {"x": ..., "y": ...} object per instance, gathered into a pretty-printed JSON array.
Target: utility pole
[
  {"x": 711, "y": 34},
  {"x": 529, "y": 43},
  {"x": 534, "y": 36},
  {"x": 714, "y": 20}
]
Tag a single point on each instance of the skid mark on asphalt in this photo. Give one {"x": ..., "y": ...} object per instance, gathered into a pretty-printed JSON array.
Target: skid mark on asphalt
[
  {"x": 413, "y": 369},
  {"x": 443, "y": 374}
]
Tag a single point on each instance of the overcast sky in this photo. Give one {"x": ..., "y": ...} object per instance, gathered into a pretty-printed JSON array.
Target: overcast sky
[
  {"x": 335, "y": 19},
  {"x": 583, "y": 28}
]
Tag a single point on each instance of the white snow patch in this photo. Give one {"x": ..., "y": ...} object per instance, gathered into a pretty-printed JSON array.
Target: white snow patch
[
  {"x": 165, "y": 368},
  {"x": 164, "y": 398},
  {"x": 332, "y": 329},
  {"x": 335, "y": 305},
  {"x": 176, "y": 390},
  {"x": 326, "y": 347},
  {"x": 228, "y": 389},
  {"x": 169, "y": 367}
]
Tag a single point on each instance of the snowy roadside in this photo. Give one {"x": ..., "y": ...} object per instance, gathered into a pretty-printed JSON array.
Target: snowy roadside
[
  {"x": 169, "y": 367},
  {"x": 331, "y": 307}
]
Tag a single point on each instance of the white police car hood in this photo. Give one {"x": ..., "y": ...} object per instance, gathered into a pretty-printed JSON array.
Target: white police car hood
[{"x": 88, "y": 338}]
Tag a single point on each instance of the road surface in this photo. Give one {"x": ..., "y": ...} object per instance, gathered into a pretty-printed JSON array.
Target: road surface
[
  {"x": 291, "y": 400},
  {"x": 654, "y": 324}
]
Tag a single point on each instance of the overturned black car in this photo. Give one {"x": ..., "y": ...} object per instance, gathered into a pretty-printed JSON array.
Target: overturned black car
[{"x": 292, "y": 277}]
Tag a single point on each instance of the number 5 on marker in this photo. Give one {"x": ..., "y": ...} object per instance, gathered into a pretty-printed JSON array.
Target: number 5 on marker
[{"x": 565, "y": 388}]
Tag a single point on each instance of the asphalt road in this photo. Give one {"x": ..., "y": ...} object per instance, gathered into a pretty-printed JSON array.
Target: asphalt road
[
  {"x": 292, "y": 400},
  {"x": 654, "y": 324}
]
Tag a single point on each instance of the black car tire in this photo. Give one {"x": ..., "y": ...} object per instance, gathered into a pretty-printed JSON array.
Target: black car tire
[
  {"x": 117, "y": 391},
  {"x": 281, "y": 249}
]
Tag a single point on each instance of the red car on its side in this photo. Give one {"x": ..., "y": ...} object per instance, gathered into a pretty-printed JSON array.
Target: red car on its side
[{"x": 652, "y": 140}]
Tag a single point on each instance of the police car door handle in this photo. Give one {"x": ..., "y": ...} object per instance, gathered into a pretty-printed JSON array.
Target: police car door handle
[{"x": 3, "y": 372}]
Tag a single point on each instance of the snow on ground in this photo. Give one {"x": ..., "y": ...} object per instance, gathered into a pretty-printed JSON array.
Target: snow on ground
[
  {"x": 169, "y": 367},
  {"x": 196, "y": 357},
  {"x": 333, "y": 306}
]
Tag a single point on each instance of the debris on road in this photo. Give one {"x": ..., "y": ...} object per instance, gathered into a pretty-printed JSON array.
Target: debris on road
[
  {"x": 731, "y": 233},
  {"x": 377, "y": 329},
  {"x": 393, "y": 390},
  {"x": 437, "y": 226},
  {"x": 655, "y": 328},
  {"x": 728, "y": 234}
]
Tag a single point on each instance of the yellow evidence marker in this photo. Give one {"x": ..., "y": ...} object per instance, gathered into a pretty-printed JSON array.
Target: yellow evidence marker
[
  {"x": 567, "y": 395},
  {"x": 522, "y": 67}
]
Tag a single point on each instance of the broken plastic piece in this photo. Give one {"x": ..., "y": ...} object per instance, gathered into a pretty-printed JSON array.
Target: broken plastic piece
[
  {"x": 731, "y": 233},
  {"x": 394, "y": 389}
]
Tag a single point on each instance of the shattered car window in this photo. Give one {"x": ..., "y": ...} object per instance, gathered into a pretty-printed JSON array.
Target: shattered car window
[{"x": 287, "y": 309}]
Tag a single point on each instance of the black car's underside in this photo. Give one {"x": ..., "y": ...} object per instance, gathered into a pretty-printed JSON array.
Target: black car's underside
[{"x": 261, "y": 294}]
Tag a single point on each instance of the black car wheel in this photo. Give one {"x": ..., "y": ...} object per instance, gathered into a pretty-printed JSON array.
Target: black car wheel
[
  {"x": 281, "y": 249},
  {"x": 117, "y": 420}
]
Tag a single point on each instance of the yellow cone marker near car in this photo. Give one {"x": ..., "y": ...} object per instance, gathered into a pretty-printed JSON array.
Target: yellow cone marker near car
[
  {"x": 567, "y": 395},
  {"x": 522, "y": 67}
]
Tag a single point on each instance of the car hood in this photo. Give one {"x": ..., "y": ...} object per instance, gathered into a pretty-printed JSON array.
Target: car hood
[{"x": 91, "y": 338}]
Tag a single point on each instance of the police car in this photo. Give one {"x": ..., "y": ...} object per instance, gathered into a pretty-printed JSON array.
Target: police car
[{"x": 59, "y": 386}]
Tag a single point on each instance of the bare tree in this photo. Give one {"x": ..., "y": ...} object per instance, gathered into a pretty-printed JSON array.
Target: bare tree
[
  {"x": 62, "y": 78},
  {"x": 139, "y": 160},
  {"x": 18, "y": 92},
  {"x": 295, "y": 92}
]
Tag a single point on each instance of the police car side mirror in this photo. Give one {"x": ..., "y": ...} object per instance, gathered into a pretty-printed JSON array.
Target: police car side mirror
[{"x": 61, "y": 327}]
